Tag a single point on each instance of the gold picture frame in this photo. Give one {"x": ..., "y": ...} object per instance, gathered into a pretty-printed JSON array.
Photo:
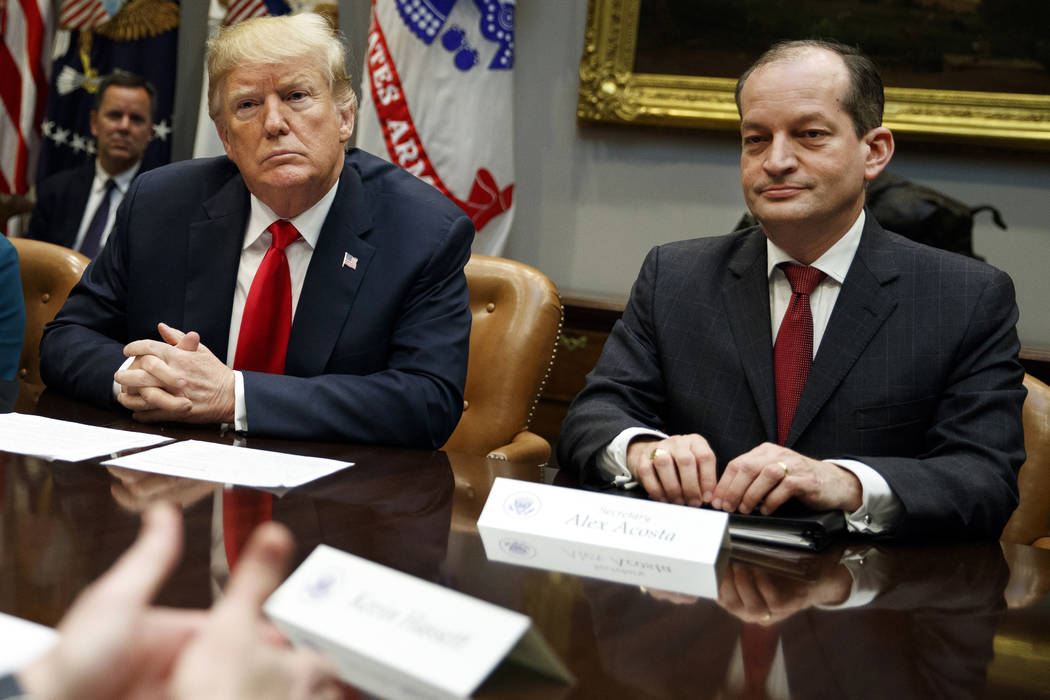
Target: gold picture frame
[{"x": 610, "y": 91}]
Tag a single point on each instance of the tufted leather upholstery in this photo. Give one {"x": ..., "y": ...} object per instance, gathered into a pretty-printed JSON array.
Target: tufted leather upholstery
[
  {"x": 49, "y": 271},
  {"x": 1030, "y": 523},
  {"x": 516, "y": 320}
]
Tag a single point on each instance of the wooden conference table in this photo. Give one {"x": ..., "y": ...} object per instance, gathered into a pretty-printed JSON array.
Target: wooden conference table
[{"x": 947, "y": 620}]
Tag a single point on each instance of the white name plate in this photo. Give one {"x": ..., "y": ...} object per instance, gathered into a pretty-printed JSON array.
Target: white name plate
[
  {"x": 397, "y": 636},
  {"x": 605, "y": 536}
]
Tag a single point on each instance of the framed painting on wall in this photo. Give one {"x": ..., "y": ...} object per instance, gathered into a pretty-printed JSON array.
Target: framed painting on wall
[{"x": 961, "y": 70}]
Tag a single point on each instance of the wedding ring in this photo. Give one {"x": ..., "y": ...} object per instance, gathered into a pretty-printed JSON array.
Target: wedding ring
[
  {"x": 784, "y": 467},
  {"x": 656, "y": 453}
]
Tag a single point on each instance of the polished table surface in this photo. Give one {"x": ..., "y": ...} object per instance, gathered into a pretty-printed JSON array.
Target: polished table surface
[{"x": 946, "y": 620}]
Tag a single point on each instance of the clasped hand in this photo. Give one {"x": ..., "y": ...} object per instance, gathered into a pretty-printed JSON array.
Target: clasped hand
[
  {"x": 682, "y": 469},
  {"x": 176, "y": 380}
]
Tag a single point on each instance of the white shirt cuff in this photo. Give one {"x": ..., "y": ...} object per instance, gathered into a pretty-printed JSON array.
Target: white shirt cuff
[
  {"x": 116, "y": 384},
  {"x": 869, "y": 578},
  {"x": 612, "y": 461},
  {"x": 240, "y": 412},
  {"x": 879, "y": 509}
]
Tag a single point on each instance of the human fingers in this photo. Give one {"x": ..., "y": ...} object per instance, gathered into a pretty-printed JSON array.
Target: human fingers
[
  {"x": 260, "y": 570},
  {"x": 138, "y": 348},
  {"x": 640, "y": 464},
  {"x": 728, "y": 597},
  {"x": 753, "y": 607},
  {"x": 134, "y": 378},
  {"x": 182, "y": 341},
  {"x": 768, "y": 479},
  {"x": 701, "y": 476},
  {"x": 687, "y": 468},
  {"x": 314, "y": 677},
  {"x": 137, "y": 575},
  {"x": 669, "y": 471},
  {"x": 164, "y": 371},
  {"x": 150, "y": 400},
  {"x": 741, "y": 475}
]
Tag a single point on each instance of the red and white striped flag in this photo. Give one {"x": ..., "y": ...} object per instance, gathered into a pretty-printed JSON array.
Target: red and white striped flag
[
  {"x": 238, "y": 10},
  {"x": 25, "y": 25},
  {"x": 83, "y": 14},
  {"x": 438, "y": 101}
]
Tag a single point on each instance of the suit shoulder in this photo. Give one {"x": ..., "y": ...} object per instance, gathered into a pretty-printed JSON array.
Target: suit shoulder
[
  {"x": 202, "y": 172},
  {"x": 59, "y": 181},
  {"x": 903, "y": 254},
  {"x": 705, "y": 251},
  {"x": 382, "y": 179}
]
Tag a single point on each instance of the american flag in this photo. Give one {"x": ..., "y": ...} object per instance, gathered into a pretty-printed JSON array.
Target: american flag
[
  {"x": 239, "y": 10},
  {"x": 82, "y": 14},
  {"x": 349, "y": 261},
  {"x": 23, "y": 88}
]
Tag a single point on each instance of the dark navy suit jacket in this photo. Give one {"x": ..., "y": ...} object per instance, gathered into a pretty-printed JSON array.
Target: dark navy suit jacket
[
  {"x": 60, "y": 203},
  {"x": 376, "y": 354},
  {"x": 916, "y": 375}
]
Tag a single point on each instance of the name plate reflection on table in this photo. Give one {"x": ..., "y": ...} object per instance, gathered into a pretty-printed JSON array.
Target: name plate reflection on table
[
  {"x": 657, "y": 545},
  {"x": 397, "y": 636}
]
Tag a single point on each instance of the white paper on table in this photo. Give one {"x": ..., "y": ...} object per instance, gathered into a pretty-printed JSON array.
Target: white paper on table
[
  {"x": 22, "y": 641},
  {"x": 241, "y": 466},
  {"x": 52, "y": 439}
]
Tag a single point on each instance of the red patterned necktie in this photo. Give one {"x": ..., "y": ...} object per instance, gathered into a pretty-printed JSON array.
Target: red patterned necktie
[
  {"x": 758, "y": 647},
  {"x": 261, "y": 347},
  {"x": 793, "y": 351}
]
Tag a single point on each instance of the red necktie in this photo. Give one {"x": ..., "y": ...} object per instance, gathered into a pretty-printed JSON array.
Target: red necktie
[
  {"x": 758, "y": 646},
  {"x": 793, "y": 351},
  {"x": 261, "y": 347}
]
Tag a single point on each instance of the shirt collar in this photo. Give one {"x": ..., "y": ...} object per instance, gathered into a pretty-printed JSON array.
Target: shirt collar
[
  {"x": 122, "y": 180},
  {"x": 834, "y": 262},
  {"x": 308, "y": 223}
]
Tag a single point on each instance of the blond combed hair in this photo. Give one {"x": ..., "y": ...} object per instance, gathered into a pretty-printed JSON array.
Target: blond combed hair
[{"x": 284, "y": 39}]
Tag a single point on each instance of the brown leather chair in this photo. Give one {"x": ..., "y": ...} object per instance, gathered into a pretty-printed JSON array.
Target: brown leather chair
[
  {"x": 517, "y": 316},
  {"x": 1030, "y": 523},
  {"x": 49, "y": 271}
]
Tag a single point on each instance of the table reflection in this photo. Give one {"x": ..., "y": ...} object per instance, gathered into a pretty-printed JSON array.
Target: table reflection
[
  {"x": 859, "y": 620},
  {"x": 841, "y": 617}
]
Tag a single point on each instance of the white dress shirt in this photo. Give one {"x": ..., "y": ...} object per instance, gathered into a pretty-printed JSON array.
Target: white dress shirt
[
  {"x": 256, "y": 242},
  {"x": 879, "y": 506},
  {"x": 98, "y": 188}
]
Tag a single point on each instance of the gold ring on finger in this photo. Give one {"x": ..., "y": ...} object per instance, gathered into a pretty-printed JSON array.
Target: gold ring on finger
[
  {"x": 784, "y": 467},
  {"x": 656, "y": 453}
]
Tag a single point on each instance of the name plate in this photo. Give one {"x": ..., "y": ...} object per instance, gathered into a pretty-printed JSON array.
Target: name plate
[
  {"x": 397, "y": 636},
  {"x": 646, "y": 543}
]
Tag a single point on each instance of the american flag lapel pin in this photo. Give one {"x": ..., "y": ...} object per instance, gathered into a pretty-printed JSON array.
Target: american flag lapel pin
[{"x": 349, "y": 261}]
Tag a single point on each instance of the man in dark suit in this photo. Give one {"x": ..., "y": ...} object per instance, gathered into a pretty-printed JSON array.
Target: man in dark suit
[
  {"x": 909, "y": 417},
  {"x": 68, "y": 202},
  {"x": 370, "y": 291}
]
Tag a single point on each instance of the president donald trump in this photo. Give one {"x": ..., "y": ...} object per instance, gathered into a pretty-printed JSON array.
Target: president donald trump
[{"x": 292, "y": 288}]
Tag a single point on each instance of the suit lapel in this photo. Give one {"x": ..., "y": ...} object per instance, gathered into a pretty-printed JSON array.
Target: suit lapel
[
  {"x": 331, "y": 286},
  {"x": 746, "y": 298},
  {"x": 212, "y": 258},
  {"x": 863, "y": 305}
]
